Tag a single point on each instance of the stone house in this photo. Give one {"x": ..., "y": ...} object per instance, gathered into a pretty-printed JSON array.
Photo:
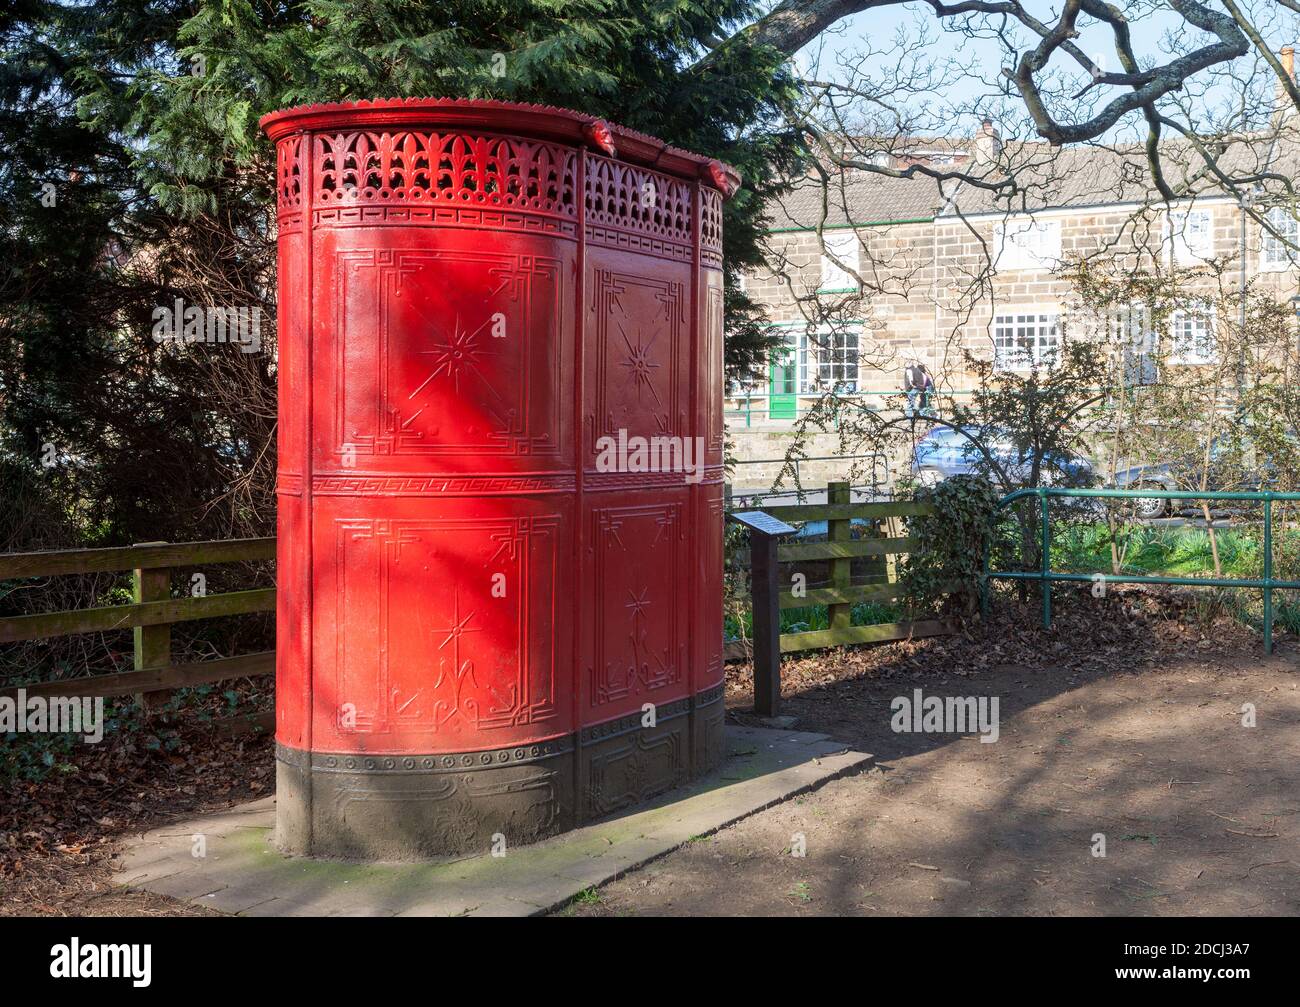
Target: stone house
[{"x": 916, "y": 270}]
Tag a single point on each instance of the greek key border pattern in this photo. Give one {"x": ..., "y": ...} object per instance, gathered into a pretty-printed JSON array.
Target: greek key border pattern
[
  {"x": 446, "y": 216},
  {"x": 645, "y": 244},
  {"x": 710, "y": 695},
  {"x": 598, "y": 481},
  {"x": 394, "y": 485},
  {"x": 440, "y": 762}
]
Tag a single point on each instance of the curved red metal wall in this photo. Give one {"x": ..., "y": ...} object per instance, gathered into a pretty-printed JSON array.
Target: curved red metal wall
[{"x": 472, "y": 614}]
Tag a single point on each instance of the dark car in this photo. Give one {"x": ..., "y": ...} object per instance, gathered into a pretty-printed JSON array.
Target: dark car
[
  {"x": 1236, "y": 462},
  {"x": 946, "y": 451}
]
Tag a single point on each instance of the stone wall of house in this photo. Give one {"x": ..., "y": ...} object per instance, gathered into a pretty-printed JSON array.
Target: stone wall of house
[
  {"x": 759, "y": 458},
  {"x": 933, "y": 296}
]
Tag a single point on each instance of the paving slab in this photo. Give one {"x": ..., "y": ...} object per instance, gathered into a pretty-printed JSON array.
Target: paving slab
[{"x": 241, "y": 873}]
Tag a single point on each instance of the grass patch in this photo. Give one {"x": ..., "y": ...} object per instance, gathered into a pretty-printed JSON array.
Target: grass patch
[
  {"x": 1187, "y": 552},
  {"x": 1154, "y": 551},
  {"x": 802, "y": 620}
]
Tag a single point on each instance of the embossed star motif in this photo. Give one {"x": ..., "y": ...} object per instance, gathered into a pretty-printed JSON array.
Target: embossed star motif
[
  {"x": 458, "y": 628},
  {"x": 461, "y": 354},
  {"x": 639, "y": 365},
  {"x": 457, "y": 356},
  {"x": 639, "y": 602}
]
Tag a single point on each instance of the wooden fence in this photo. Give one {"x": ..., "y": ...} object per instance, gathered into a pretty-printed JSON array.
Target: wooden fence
[
  {"x": 840, "y": 549},
  {"x": 151, "y": 615}
]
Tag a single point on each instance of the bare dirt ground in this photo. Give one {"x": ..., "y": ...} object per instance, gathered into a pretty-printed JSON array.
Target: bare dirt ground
[
  {"x": 1125, "y": 720},
  {"x": 59, "y": 836}
]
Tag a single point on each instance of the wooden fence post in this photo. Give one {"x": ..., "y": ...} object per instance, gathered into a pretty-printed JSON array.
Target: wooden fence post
[
  {"x": 839, "y": 530},
  {"x": 893, "y": 528},
  {"x": 153, "y": 644},
  {"x": 765, "y": 594},
  {"x": 765, "y": 603}
]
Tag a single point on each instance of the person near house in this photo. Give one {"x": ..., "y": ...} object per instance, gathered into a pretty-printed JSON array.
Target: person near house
[
  {"x": 917, "y": 383},
  {"x": 927, "y": 391}
]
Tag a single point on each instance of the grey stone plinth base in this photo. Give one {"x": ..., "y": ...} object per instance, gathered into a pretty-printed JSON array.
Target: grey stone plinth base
[
  {"x": 414, "y": 807},
  {"x": 241, "y": 872}
]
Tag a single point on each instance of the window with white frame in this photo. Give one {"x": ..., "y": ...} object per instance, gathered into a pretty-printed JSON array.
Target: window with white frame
[
  {"x": 837, "y": 359},
  {"x": 1133, "y": 330},
  {"x": 1191, "y": 335},
  {"x": 1189, "y": 236},
  {"x": 825, "y": 358},
  {"x": 836, "y": 279},
  {"x": 1026, "y": 338},
  {"x": 807, "y": 362},
  {"x": 1028, "y": 244},
  {"x": 1278, "y": 248}
]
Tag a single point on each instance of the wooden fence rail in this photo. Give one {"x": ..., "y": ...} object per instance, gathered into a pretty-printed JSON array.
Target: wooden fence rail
[
  {"x": 148, "y": 556},
  {"x": 151, "y": 615},
  {"x": 841, "y": 594}
]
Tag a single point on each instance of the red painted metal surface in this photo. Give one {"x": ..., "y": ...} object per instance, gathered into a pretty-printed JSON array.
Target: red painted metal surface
[{"x": 472, "y": 294}]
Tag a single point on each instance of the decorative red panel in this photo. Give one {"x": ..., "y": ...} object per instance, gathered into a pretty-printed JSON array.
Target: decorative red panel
[
  {"x": 635, "y": 351},
  {"x": 436, "y": 631},
  {"x": 446, "y": 353},
  {"x": 709, "y": 365},
  {"x": 645, "y": 211},
  {"x": 708, "y": 603},
  {"x": 711, "y": 228},
  {"x": 289, "y": 180},
  {"x": 637, "y": 566},
  {"x": 473, "y": 607}
]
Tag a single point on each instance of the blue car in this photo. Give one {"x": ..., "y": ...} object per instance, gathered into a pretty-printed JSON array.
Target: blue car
[{"x": 944, "y": 452}]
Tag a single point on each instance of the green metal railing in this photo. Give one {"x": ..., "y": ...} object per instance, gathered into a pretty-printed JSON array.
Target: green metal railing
[{"x": 1045, "y": 575}]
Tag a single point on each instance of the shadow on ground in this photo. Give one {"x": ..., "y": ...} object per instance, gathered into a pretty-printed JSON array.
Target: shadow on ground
[{"x": 1118, "y": 724}]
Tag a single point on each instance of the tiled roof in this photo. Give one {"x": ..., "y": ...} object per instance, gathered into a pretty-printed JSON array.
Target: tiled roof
[
  {"x": 1046, "y": 178},
  {"x": 1099, "y": 175},
  {"x": 858, "y": 197}
]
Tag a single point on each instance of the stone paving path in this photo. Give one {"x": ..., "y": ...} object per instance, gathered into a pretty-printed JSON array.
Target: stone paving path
[{"x": 242, "y": 873}]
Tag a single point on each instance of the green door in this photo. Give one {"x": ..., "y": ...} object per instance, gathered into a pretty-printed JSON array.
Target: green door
[{"x": 782, "y": 385}]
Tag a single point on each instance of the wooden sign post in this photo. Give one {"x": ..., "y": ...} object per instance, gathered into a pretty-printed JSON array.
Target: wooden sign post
[{"x": 765, "y": 601}]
